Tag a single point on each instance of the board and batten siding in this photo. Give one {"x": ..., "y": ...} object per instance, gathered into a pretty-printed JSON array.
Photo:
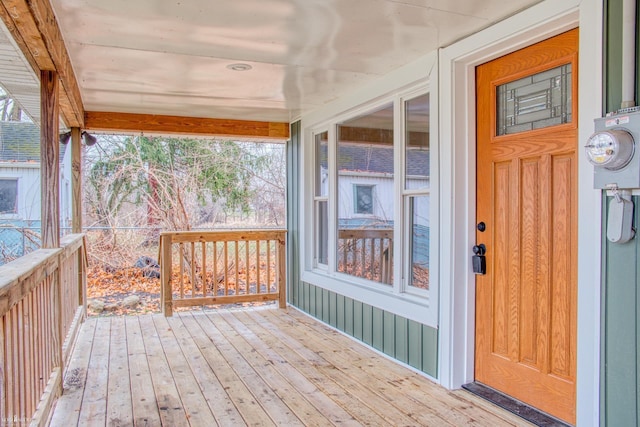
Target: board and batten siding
[
  {"x": 620, "y": 327},
  {"x": 408, "y": 341}
]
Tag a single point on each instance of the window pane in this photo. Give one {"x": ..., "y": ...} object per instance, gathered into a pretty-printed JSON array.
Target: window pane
[
  {"x": 8, "y": 195},
  {"x": 365, "y": 196},
  {"x": 417, "y": 142},
  {"x": 418, "y": 228},
  {"x": 322, "y": 232},
  {"x": 534, "y": 102},
  {"x": 321, "y": 170}
]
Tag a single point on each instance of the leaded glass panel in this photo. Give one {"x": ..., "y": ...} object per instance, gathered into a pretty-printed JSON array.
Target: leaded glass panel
[{"x": 534, "y": 102}]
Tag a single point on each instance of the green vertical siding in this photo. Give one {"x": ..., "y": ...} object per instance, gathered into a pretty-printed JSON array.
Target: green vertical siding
[
  {"x": 414, "y": 342},
  {"x": 408, "y": 341},
  {"x": 401, "y": 339},
  {"x": 620, "y": 328},
  {"x": 348, "y": 316}
]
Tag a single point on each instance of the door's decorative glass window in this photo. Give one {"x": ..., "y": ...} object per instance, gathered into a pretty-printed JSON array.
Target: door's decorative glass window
[{"x": 534, "y": 102}]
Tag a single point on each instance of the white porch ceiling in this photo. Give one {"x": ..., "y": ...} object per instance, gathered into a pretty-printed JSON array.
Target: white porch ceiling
[{"x": 171, "y": 57}]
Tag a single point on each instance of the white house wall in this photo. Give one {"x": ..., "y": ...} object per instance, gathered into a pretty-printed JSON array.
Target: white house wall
[
  {"x": 28, "y": 197},
  {"x": 29, "y": 192}
]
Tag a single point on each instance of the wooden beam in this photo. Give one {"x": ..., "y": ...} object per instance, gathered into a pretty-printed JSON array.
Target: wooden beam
[
  {"x": 34, "y": 27},
  {"x": 49, "y": 160},
  {"x": 76, "y": 180},
  {"x": 128, "y": 122}
]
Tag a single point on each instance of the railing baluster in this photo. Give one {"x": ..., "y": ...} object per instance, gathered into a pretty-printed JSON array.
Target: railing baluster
[
  {"x": 3, "y": 369},
  {"x": 226, "y": 268},
  {"x": 237, "y": 258},
  {"x": 214, "y": 286},
  {"x": 9, "y": 345},
  {"x": 268, "y": 242},
  {"x": 30, "y": 374},
  {"x": 193, "y": 269},
  {"x": 258, "y": 279},
  {"x": 204, "y": 269},
  {"x": 247, "y": 269},
  {"x": 181, "y": 252}
]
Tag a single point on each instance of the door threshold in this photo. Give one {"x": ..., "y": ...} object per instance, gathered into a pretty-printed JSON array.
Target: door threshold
[{"x": 514, "y": 406}]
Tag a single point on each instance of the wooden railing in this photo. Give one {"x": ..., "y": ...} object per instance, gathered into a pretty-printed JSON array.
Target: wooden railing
[
  {"x": 221, "y": 267},
  {"x": 42, "y": 297},
  {"x": 366, "y": 253}
]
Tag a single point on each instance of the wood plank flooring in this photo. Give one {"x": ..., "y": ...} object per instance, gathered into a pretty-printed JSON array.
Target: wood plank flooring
[{"x": 259, "y": 367}]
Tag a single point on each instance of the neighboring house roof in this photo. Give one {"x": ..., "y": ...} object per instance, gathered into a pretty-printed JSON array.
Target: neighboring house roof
[
  {"x": 377, "y": 159},
  {"x": 20, "y": 142}
]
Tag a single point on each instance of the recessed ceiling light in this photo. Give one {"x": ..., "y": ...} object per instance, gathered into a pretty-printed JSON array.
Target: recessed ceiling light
[{"x": 239, "y": 67}]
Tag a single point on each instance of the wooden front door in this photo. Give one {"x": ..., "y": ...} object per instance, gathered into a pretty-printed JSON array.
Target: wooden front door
[{"x": 527, "y": 141}]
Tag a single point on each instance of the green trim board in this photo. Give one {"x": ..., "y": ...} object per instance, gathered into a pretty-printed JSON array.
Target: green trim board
[
  {"x": 620, "y": 318},
  {"x": 620, "y": 354},
  {"x": 293, "y": 213},
  {"x": 406, "y": 340}
]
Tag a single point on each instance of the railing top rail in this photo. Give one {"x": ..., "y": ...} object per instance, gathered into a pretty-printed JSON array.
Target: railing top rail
[
  {"x": 71, "y": 243},
  {"x": 20, "y": 275},
  {"x": 367, "y": 233},
  {"x": 224, "y": 235},
  {"x": 15, "y": 275}
]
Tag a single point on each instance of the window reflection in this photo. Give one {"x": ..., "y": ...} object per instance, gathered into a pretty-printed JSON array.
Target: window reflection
[
  {"x": 419, "y": 242},
  {"x": 320, "y": 200},
  {"x": 417, "y": 143},
  {"x": 365, "y": 170}
]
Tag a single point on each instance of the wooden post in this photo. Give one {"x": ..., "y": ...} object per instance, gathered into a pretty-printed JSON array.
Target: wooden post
[
  {"x": 281, "y": 258},
  {"x": 76, "y": 214},
  {"x": 165, "y": 275},
  {"x": 76, "y": 182},
  {"x": 49, "y": 160}
]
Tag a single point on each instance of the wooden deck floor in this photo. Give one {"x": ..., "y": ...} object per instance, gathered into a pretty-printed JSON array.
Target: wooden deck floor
[{"x": 254, "y": 367}]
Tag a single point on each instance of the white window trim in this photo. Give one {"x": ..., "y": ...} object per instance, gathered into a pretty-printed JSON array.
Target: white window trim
[
  {"x": 457, "y": 136},
  {"x": 409, "y": 305}
]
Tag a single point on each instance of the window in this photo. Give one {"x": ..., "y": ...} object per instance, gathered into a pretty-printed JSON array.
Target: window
[
  {"x": 363, "y": 199},
  {"x": 365, "y": 160},
  {"x": 416, "y": 192},
  {"x": 8, "y": 196},
  {"x": 321, "y": 193},
  {"x": 372, "y": 198}
]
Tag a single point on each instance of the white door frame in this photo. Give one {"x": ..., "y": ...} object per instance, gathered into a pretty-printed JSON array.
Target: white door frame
[{"x": 457, "y": 178}]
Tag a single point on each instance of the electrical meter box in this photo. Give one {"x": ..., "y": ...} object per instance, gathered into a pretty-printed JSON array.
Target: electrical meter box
[{"x": 613, "y": 150}]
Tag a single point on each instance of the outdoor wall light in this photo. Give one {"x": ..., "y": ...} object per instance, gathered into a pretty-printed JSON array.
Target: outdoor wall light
[
  {"x": 88, "y": 139},
  {"x": 612, "y": 149},
  {"x": 65, "y": 137}
]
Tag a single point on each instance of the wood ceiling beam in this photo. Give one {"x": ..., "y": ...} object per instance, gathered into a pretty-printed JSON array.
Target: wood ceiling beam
[
  {"x": 34, "y": 27},
  {"x": 128, "y": 122}
]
